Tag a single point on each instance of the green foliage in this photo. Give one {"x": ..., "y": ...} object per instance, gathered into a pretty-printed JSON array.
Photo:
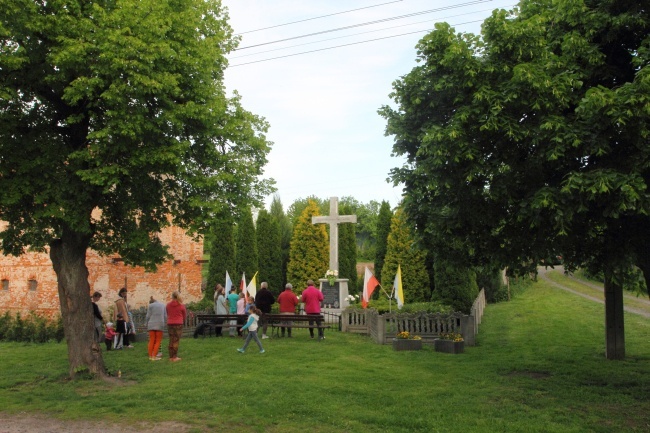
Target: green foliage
[
  {"x": 286, "y": 231},
  {"x": 383, "y": 230},
  {"x": 309, "y": 255},
  {"x": 348, "y": 249},
  {"x": 269, "y": 251},
  {"x": 32, "y": 329},
  {"x": 246, "y": 245},
  {"x": 531, "y": 140},
  {"x": 455, "y": 285},
  {"x": 632, "y": 279},
  {"x": 382, "y": 305},
  {"x": 222, "y": 254},
  {"x": 297, "y": 208},
  {"x": 205, "y": 305},
  {"x": 402, "y": 250},
  {"x": 366, "y": 225},
  {"x": 491, "y": 280}
]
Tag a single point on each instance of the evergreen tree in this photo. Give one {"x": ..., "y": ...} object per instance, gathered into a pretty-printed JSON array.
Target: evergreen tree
[
  {"x": 455, "y": 285},
  {"x": 246, "y": 254},
  {"x": 348, "y": 249},
  {"x": 309, "y": 254},
  {"x": 286, "y": 231},
  {"x": 222, "y": 253},
  {"x": 383, "y": 229},
  {"x": 269, "y": 251},
  {"x": 402, "y": 250}
]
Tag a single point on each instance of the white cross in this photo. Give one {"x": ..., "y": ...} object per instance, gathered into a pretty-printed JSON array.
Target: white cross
[{"x": 334, "y": 219}]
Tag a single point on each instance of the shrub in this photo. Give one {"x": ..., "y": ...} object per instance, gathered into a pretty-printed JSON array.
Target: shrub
[
  {"x": 382, "y": 306},
  {"x": 34, "y": 328}
]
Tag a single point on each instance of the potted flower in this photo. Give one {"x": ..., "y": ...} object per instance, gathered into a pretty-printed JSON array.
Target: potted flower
[
  {"x": 449, "y": 342},
  {"x": 331, "y": 277},
  {"x": 405, "y": 341}
]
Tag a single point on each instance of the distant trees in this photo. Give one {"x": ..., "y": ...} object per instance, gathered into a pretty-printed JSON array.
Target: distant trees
[
  {"x": 402, "y": 250},
  {"x": 309, "y": 254},
  {"x": 286, "y": 231}
]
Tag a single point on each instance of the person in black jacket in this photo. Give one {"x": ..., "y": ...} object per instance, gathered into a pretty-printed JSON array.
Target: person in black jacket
[
  {"x": 98, "y": 318},
  {"x": 263, "y": 300}
]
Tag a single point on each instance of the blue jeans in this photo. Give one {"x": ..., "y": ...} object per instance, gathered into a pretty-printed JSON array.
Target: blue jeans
[{"x": 252, "y": 335}]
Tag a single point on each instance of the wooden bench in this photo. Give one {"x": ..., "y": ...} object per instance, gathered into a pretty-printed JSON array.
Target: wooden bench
[
  {"x": 277, "y": 321},
  {"x": 209, "y": 322}
]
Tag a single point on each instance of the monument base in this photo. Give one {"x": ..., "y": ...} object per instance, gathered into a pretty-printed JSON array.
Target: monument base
[{"x": 335, "y": 296}]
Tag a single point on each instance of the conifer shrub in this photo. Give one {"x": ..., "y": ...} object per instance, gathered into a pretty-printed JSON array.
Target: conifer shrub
[
  {"x": 455, "y": 285},
  {"x": 33, "y": 328}
]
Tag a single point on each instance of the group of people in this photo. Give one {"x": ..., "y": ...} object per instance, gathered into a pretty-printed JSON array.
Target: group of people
[
  {"x": 173, "y": 315},
  {"x": 260, "y": 305},
  {"x": 117, "y": 335}
]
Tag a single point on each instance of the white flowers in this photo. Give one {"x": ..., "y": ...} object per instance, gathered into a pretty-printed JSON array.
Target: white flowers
[
  {"x": 352, "y": 298},
  {"x": 331, "y": 274}
]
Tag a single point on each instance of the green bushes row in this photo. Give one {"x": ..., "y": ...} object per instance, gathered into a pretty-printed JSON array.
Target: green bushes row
[
  {"x": 31, "y": 329},
  {"x": 383, "y": 306}
]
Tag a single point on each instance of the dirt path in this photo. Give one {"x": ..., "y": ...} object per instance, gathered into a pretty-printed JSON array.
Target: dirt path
[
  {"x": 30, "y": 423},
  {"x": 543, "y": 273}
]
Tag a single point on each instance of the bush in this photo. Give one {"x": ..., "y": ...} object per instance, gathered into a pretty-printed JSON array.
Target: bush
[
  {"x": 382, "y": 306},
  {"x": 34, "y": 328},
  {"x": 491, "y": 280},
  {"x": 455, "y": 286},
  {"x": 201, "y": 306}
]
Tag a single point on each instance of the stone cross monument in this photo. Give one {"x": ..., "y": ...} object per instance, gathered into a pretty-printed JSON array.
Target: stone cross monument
[
  {"x": 334, "y": 219},
  {"x": 336, "y": 296}
]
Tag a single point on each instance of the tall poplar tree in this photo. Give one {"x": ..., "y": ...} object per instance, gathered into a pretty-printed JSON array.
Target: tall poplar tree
[
  {"x": 402, "y": 250},
  {"x": 309, "y": 255},
  {"x": 348, "y": 249},
  {"x": 246, "y": 246},
  {"x": 222, "y": 253},
  {"x": 286, "y": 231},
  {"x": 381, "y": 238},
  {"x": 114, "y": 124},
  {"x": 269, "y": 251}
]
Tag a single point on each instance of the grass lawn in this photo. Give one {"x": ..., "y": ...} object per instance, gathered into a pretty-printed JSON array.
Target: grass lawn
[{"x": 539, "y": 366}]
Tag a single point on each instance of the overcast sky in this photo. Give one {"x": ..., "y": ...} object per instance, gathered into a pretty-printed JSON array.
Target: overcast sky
[{"x": 322, "y": 106}]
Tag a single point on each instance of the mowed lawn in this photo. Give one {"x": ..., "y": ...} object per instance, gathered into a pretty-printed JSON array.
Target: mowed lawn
[{"x": 539, "y": 366}]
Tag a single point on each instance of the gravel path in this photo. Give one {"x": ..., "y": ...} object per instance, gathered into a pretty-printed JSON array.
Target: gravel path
[{"x": 30, "y": 423}]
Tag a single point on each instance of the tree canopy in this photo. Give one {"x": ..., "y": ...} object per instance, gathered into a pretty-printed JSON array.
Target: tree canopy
[
  {"x": 532, "y": 140},
  {"x": 309, "y": 255},
  {"x": 114, "y": 124}
]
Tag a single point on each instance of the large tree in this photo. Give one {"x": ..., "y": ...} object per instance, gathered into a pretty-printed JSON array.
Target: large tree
[
  {"x": 222, "y": 253},
  {"x": 286, "y": 231},
  {"x": 383, "y": 229},
  {"x": 532, "y": 140},
  {"x": 348, "y": 249},
  {"x": 114, "y": 124}
]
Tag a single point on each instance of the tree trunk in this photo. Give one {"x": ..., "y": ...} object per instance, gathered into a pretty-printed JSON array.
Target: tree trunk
[
  {"x": 68, "y": 256},
  {"x": 614, "y": 319}
]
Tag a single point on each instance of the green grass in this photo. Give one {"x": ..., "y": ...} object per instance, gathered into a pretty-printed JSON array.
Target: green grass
[{"x": 539, "y": 366}]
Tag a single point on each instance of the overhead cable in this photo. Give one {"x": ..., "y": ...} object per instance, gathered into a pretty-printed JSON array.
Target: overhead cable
[
  {"x": 319, "y": 17},
  {"x": 367, "y": 23}
]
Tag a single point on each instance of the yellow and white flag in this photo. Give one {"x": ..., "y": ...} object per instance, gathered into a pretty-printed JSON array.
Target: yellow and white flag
[{"x": 397, "y": 286}]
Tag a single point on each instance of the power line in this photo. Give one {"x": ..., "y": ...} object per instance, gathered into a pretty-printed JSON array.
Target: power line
[
  {"x": 367, "y": 23},
  {"x": 319, "y": 17},
  {"x": 355, "y": 34},
  {"x": 345, "y": 45}
]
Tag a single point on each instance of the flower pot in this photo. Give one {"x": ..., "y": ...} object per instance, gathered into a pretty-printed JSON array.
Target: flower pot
[
  {"x": 449, "y": 346},
  {"x": 403, "y": 344}
]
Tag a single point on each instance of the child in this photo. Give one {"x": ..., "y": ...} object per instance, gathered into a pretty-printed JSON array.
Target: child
[
  {"x": 120, "y": 328},
  {"x": 251, "y": 325},
  {"x": 109, "y": 335}
]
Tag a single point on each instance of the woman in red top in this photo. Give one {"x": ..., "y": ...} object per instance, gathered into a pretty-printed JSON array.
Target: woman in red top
[{"x": 176, "y": 314}]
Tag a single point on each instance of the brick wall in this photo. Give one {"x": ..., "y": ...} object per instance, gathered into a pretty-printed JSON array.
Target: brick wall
[{"x": 106, "y": 275}]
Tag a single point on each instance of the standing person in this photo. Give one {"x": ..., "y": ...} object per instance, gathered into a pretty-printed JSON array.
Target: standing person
[
  {"x": 251, "y": 325},
  {"x": 263, "y": 301},
  {"x": 288, "y": 302},
  {"x": 120, "y": 331},
  {"x": 176, "y": 314},
  {"x": 155, "y": 321},
  {"x": 220, "y": 307},
  {"x": 312, "y": 297},
  {"x": 99, "y": 319},
  {"x": 122, "y": 308},
  {"x": 232, "y": 307},
  {"x": 109, "y": 335},
  {"x": 241, "y": 313}
]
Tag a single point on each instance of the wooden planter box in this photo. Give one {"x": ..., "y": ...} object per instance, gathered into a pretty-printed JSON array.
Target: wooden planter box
[
  {"x": 448, "y": 346},
  {"x": 402, "y": 344}
]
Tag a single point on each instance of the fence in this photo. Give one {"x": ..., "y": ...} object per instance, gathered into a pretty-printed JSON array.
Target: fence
[{"x": 382, "y": 328}]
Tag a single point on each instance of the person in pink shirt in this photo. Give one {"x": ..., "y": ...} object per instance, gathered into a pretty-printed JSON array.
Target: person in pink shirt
[
  {"x": 176, "y": 314},
  {"x": 312, "y": 298}
]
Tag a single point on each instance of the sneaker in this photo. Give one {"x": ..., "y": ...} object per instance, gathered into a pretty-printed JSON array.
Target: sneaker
[
  {"x": 159, "y": 355},
  {"x": 240, "y": 350},
  {"x": 264, "y": 336},
  {"x": 156, "y": 359},
  {"x": 175, "y": 359},
  {"x": 262, "y": 351},
  {"x": 130, "y": 346}
]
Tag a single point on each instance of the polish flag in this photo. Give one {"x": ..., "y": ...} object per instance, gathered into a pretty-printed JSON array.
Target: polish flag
[{"x": 369, "y": 284}]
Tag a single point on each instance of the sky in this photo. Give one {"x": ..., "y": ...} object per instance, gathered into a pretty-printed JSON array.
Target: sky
[{"x": 328, "y": 139}]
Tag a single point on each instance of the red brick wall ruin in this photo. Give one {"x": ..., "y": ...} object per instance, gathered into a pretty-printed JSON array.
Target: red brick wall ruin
[{"x": 106, "y": 275}]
